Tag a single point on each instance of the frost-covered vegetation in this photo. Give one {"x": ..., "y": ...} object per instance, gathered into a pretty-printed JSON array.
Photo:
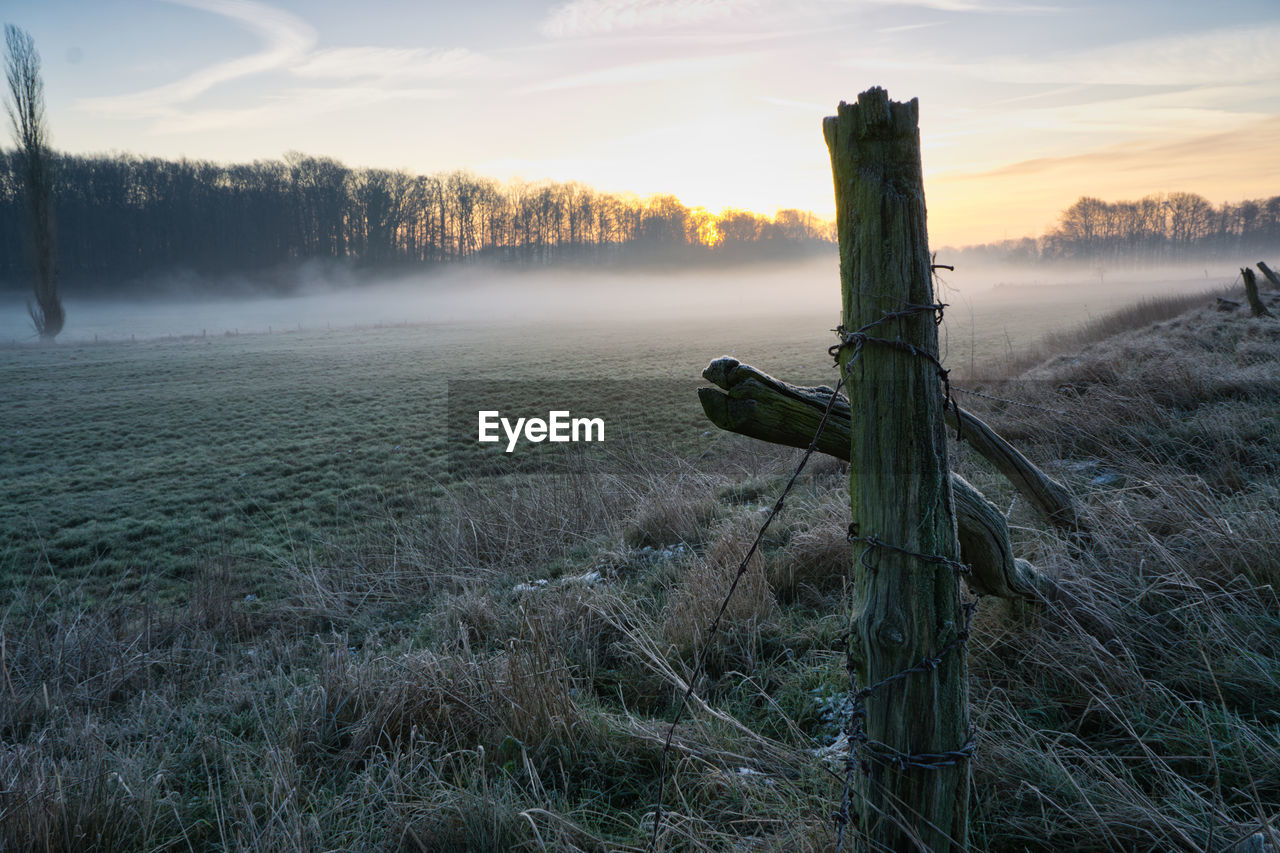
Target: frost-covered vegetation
[{"x": 437, "y": 664}]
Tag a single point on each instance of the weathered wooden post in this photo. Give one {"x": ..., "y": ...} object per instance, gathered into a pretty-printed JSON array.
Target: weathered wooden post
[
  {"x": 1271, "y": 276},
  {"x": 1256, "y": 308},
  {"x": 912, "y": 743}
]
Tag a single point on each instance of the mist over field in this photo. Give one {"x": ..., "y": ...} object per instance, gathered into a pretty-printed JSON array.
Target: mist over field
[{"x": 993, "y": 308}]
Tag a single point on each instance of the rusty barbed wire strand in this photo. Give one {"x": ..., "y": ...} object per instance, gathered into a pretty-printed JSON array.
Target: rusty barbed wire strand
[
  {"x": 873, "y": 543},
  {"x": 984, "y": 395},
  {"x": 860, "y": 742},
  {"x": 859, "y": 338}
]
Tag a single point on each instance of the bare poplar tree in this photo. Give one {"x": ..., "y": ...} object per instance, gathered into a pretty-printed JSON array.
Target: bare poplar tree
[{"x": 25, "y": 106}]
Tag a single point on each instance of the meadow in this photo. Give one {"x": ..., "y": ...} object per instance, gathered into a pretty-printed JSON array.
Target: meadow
[
  {"x": 133, "y": 464},
  {"x": 247, "y": 604}
]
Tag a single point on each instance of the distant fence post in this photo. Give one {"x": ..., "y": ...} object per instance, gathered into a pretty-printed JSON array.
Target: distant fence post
[
  {"x": 1256, "y": 308},
  {"x": 911, "y": 742},
  {"x": 1271, "y": 276}
]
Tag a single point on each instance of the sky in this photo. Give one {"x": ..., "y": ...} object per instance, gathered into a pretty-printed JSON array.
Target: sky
[{"x": 1024, "y": 105}]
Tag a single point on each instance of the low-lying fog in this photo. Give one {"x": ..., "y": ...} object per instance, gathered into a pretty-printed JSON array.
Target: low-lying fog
[{"x": 1015, "y": 306}]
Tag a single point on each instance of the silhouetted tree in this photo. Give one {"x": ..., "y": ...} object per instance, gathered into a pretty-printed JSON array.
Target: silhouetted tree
[
  {"x": 25, "y": 106},
  {"x": 129, "y": 218},
  {"x": 1173, "y": 227}
]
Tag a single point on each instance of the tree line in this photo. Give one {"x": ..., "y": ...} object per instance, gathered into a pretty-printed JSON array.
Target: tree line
[
  {"x": 1171, "y": 227},
  {"x": 124, "y": 217}
]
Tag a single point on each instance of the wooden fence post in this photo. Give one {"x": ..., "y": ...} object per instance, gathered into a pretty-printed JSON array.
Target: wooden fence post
[
  {"x": 1271, "y": 276},
  {"x": 912, "y": 779},
  {"x": 1256, "y": 308}
]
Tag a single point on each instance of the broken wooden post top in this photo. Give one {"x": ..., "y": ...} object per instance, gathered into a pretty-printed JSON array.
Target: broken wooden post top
[
  {"x": 884, "y": 256},
  {"x": 874, "y": 113},
  {"x": 1251, "y": 293}
]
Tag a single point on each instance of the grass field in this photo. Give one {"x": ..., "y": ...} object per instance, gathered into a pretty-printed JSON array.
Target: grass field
[
  {"x": 247, "y": 607},
  {"x": 131, "y": 464}
]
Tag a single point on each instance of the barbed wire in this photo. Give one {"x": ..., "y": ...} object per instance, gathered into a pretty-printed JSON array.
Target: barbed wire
[
  {"x": 860, "y": 742},
  {"x": 874, "y": 544},
  {"x": 701, "y": 660},
  {"x": 984, "y": 395},
  {"x": 859, "y": 338}
]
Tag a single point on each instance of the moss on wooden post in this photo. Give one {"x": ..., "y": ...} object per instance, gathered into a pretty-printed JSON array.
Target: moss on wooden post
[{"x": 908, "y": 609}]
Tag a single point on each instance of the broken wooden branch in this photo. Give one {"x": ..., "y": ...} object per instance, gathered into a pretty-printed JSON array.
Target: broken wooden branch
[
  {"x": 789, "y": 414},
  {"x": 985, "y": 548},
  {"x": 1049, "y": 498},
  {"x": 759, "y": 406}
]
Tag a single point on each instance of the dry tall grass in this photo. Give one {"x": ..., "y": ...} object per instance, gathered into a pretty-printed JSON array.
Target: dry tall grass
[{"x": 492, "y": 672}]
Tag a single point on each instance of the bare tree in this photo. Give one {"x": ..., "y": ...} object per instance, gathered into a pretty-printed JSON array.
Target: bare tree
[{"x": 35, "y": 164}]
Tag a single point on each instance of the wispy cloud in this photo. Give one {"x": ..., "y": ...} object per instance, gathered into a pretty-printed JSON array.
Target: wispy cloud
[
  {"x": 642, "y": 72},
  {"x": 606, "y": 17},
  {"x": 1210, "y": 152},
  {"x": 290, "y": 107},
  {"x": 377, "y": 75},
  {"x": 286, "y": 39},
  {"x": 1173, "y": 87},
  {"x": 1181, "y": 112},
  {"x": 1214, "y": 57},
  {"x": 393, "y": 63},
  {"x": 1232, "y": 158},
  {"x": 981, "y": 6},
  {"x": 601, "y": 17},
  {"x": 903, "y": 28}
]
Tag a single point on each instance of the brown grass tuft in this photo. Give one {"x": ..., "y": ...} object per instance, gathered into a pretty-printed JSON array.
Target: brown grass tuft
[{"x": 697, "y": 596}]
